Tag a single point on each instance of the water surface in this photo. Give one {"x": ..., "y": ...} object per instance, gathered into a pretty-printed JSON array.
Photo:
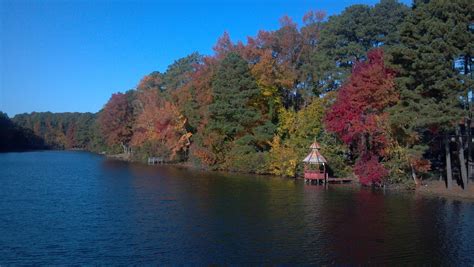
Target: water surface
[{"x": 77, "y": 208}]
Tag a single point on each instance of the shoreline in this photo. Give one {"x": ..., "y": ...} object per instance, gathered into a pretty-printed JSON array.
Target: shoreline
[
  {"x": 429, "y": 188},
  {"x": 438, "y": 189}
]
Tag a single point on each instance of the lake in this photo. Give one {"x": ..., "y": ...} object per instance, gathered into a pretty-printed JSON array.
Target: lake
[{"x": 60, "y": 207}]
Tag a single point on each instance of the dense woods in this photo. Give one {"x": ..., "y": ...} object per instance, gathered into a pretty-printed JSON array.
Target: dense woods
[
  {"x": 16, "y": 138},
  {"x": 386, "y": 90},
  {"x": 60, "y": 130}
]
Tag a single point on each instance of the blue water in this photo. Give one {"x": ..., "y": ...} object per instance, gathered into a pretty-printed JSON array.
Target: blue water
[{"x": 79, "y": 208}]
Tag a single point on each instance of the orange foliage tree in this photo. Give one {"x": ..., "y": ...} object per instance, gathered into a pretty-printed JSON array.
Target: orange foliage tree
[{"x": 160, "y": 124}]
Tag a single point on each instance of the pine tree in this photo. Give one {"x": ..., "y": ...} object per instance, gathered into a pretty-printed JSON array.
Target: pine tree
[
  {"x": 346, "y": 38},
  {"x": 232, "y": 113},
  {"x": 433, "y": 93}
]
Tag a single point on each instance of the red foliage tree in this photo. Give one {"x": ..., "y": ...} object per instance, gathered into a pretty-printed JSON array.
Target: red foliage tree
[
  {"x": 358, "y": 115},
  {"x": 116, "y": 120},
  {"x": 370, "y": 170},
  {"x": 223, "y": 46}
]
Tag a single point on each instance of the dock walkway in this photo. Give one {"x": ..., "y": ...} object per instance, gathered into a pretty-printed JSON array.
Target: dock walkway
[
  {"x": 327, "y": 180},
  {"x": 155, "y": 160}
]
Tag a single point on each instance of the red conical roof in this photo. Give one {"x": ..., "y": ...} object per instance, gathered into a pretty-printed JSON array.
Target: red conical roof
[{"x": 314, "y": 157}]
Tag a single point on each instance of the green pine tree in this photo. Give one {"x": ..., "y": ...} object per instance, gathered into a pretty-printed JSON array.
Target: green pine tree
[
  {"x": 233, "y": 115},
  {"x": 346, "y": 39},
  {"x": 433, "y": 92}
]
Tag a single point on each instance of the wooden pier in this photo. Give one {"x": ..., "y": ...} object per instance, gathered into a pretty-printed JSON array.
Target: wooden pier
[
  {"x": 340, "y": 180},
  {"x": 155, "y": 160}
]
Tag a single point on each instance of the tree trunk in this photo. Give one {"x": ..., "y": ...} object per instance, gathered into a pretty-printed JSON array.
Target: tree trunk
[
  {"x": 449, "y": 174},
  {"x": 468, "y": 144},
  {"x": 462, "y": 161},
  {"x": 125, "y": 148},
  {"x": 468, "y": 69},
  {"x": 413, "y": 174}
]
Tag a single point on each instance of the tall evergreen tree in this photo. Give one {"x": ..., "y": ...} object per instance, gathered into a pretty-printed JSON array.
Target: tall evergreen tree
[
  {"x": 232, "y": 113},
  {"x": 433, "y": 93},
  {"x": 179, "y": 73},
  {"x": 346, "y": 38}
]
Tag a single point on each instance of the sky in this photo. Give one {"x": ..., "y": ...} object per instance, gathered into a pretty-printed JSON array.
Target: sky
[{"x": 70, "y": 56}]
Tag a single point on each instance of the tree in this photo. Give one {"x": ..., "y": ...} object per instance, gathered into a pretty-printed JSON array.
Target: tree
[
  {"x": 296, "y": 131},
  {"x": 13, "y": 137},
  {"x": 153, "y": 80},
  {"x": 271, "y": 80},
  {"x": 116, "y": 120},
  {"x": 346, "y": 38},
  {"x": 180, "y": 72},
  {"x": 223, "y": 46},
  {"x": 59, "y": 130},
  {"x": 275, "y": 58},
  {"x": 232, "y": 112},
  {"x": 308, "y": 71},
  {"x": 159, "y": 127},
  {"x": 387, "y": 17},
  {"x": 359, "y": 115},
  {"x": 433, "y": 92},
  {"x": 193, "y": 101},
  {"x": 71, "y": 141}
]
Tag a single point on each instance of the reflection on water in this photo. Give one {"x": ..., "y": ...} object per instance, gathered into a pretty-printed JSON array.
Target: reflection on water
[{"x": 76, "y": 208}]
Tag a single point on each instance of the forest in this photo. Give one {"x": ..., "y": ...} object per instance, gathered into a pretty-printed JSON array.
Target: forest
[
  {"x": 63, "y": 130},
  {"x": 16, "y": 138},
  {"x": 386, "y": 90}
]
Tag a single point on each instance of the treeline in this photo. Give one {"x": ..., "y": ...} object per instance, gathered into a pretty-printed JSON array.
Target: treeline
[
  {"x": 378, "y": 86},
  {"x": 63, "y": 130},
  {"x": 386, "y": 90},
  {"x": 16, "y": 138}
]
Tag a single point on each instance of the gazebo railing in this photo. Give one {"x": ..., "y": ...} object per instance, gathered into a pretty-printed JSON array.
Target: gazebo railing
[{"x": 314, "y": 174}]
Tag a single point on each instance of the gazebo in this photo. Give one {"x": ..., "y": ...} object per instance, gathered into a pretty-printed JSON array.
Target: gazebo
[{"x": 315, "y": 165}]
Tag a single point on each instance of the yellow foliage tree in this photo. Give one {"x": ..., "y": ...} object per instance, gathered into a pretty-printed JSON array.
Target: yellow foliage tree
[
  {"x": 283, "y": 159},
  {"x": 296, "y": 131}
]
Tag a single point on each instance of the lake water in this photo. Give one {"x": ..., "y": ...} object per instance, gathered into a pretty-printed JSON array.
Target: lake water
[{"x": 77, "y": 208}]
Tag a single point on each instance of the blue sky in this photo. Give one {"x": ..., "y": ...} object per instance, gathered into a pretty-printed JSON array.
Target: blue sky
[{"x": 72, "y": 55}]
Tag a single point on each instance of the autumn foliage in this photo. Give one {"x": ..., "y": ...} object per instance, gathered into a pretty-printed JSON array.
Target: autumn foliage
[
  {"x": 116, "y": 120},
  {"x": 358, "y": 116},
  {"x": 256, "y": 106},
  {"x": 159, "y": 122}
]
